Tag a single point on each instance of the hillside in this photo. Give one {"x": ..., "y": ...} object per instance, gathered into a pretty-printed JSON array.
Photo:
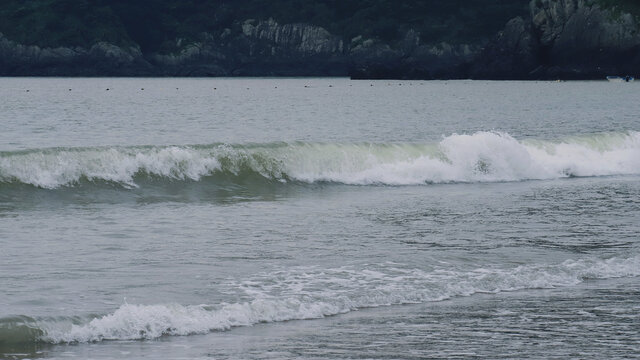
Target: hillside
[
  {"x": 154, "y": 23},
  {"x": 361, "y": 38}
]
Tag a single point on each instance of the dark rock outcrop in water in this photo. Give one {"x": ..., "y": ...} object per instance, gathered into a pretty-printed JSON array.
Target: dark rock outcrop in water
[
  {"x": 568, "y": 39},
  {"x": 558, "y": 39},
  {"x": 580, "y": 40}
]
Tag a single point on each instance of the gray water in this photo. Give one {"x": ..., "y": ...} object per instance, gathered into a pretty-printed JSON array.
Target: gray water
[{"x": 318, "y": 218}]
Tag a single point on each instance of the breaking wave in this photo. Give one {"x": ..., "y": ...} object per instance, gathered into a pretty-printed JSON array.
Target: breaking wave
[
  {"x": 310, "y": 293},
  {"x": 480, "y": 157}
]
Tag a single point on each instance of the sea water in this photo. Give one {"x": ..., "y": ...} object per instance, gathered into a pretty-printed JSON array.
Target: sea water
[{"x": 318, "y": 218}]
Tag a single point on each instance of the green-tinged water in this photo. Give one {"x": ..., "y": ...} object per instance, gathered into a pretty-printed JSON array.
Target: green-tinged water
[{"x": 318, "y": 218}]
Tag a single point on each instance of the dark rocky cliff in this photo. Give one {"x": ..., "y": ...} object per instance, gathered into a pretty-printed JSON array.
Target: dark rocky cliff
[
  {"x": 578, "y": 39},
  {"x": 556, "y": 39},
  {"x": 100, "y": 59}
]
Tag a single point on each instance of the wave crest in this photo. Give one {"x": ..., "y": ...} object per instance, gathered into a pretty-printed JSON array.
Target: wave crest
[{"x": 480, "y": 157}]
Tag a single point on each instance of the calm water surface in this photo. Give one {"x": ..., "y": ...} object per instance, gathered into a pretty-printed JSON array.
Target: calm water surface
[{"x": 318, "y": 218}]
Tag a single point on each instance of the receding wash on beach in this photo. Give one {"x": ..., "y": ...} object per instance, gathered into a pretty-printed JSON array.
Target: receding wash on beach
[{"x": 316, "y": 179}]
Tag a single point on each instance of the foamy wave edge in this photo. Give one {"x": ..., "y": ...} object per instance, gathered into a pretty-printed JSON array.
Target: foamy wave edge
[
  {"x": 345, "y": 290},
  {"x": 479, "y": 157}
]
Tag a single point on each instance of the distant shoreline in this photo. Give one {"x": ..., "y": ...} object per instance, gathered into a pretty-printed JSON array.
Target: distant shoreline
[{"x": 548, "y": 79}]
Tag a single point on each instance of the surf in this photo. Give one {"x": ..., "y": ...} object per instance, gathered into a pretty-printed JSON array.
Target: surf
[
  {"x": 458, "y": 158},
  {"x": 312, "y": 292}
]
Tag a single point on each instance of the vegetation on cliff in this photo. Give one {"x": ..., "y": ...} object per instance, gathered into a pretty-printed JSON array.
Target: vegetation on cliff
[
  {"x": 628, "y": 6},
  {"x": 156, "y": 24},
  {"x": 427, "y": 39}
]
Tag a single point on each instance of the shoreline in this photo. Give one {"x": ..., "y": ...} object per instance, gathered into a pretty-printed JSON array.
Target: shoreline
[{"x": 142, "y": 76}]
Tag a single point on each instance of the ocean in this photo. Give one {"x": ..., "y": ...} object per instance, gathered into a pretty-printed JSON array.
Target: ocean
[{"x": 318, "y": 218}]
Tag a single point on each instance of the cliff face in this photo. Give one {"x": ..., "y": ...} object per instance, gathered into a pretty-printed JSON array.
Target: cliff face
[
  {"x": 558, "y": 39},
  {"x": 410, "y": 59},
  {"x": 566, "y": 25},
  {"x": 513, "y": 53},
  {"x": 101, "y": 59},
  {"x": 580, "y": 39},
  {"x": 299, "y": 39},
  {"x": 257, "y": 48}
]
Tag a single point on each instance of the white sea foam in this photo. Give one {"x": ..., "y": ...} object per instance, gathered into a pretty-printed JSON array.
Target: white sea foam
[
  {"x": 313, "y": 292},
  {"x": 480, "y": 157},
  {"x": 55, "y": 168}
]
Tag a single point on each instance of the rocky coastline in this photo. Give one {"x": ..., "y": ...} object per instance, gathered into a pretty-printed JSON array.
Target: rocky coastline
[{"x": 559, "y": 39}]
